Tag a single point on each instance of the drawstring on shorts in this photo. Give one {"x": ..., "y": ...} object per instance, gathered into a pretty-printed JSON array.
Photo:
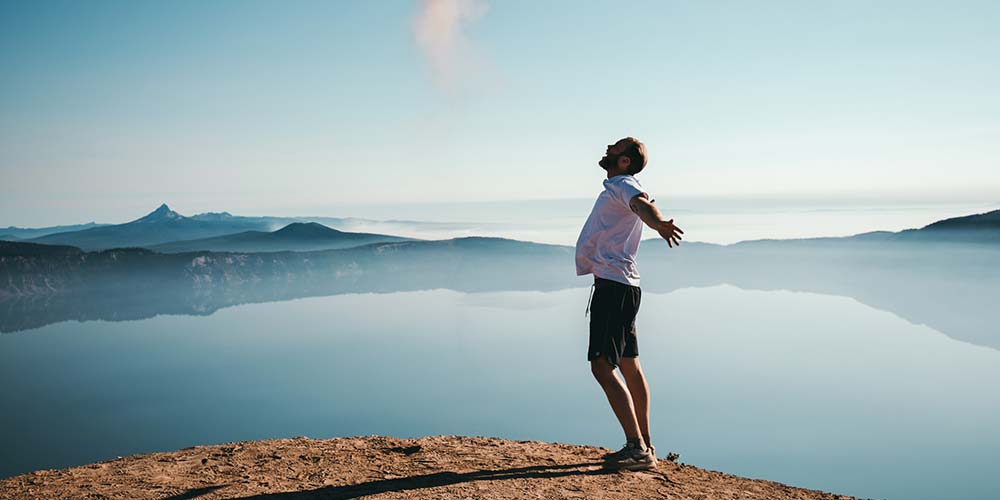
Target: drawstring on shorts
[{"x": 589, "y": 298}]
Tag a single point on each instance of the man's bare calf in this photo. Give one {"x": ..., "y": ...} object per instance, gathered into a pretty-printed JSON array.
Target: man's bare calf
[
  {"x": 639, "y": 390},
  {"x": 619, "y": 398}
]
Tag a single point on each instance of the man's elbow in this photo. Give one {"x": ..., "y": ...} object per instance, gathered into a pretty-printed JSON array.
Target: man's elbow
[
  {"x": 639, "y": 203},
  {"x": 646, "y": 211}
]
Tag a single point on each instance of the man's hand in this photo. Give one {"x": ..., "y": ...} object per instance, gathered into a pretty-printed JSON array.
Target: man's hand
[
  {"x": 644, "y": 208},
  {"x": 670, "y": 232}
]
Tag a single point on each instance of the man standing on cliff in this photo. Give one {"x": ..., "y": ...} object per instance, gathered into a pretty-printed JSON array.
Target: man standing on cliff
[{"x": 606, "y": 248}]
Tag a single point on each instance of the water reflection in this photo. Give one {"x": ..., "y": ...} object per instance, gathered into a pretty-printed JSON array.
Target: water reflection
[
  {"x": 952, "y": 288},
  {"x": 808, "y": 389}
]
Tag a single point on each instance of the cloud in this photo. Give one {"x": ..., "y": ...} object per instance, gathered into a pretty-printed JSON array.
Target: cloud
[{"x": 439, "y": 30}]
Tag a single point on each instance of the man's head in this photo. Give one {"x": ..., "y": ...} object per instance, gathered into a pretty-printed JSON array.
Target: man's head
[{"x": 627, "y": 156}]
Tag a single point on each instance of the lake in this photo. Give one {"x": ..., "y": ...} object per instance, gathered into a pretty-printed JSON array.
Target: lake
[{"x": 812, "y": 390}]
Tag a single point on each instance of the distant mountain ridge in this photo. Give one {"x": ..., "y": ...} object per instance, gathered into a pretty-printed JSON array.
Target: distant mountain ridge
[
  {"x": 159, "y": 226},
  {"x": 165, "y": 226},
  {"x": 987, "y": 220},
  {"x": 168, "y": 230},
  {"x": 984, "y": 223},
  {"x": 308, "y": 230},
  {"x": 948, "y": 285},
  {"x": 297, "y": 237},
  {"x": 23, "y": 233},
  {"x": 216, "y": 216},
  {"x": 976, "y": 228}
]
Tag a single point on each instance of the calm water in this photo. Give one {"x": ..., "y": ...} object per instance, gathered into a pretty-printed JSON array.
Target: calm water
[{"x": 812, "y": 390}]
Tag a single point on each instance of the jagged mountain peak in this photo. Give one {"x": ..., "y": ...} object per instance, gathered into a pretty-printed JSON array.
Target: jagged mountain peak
[{"x": 162, "y": 213}]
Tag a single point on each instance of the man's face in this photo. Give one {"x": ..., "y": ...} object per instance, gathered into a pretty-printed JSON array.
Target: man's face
[{"x": 613, "y": 155}]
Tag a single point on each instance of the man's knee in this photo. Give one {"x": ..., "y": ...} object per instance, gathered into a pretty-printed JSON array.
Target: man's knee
[
  {"x": 602, "y": 369},
  {"x": 630, "y": 366},
  {"x": 632, "y": 372}
]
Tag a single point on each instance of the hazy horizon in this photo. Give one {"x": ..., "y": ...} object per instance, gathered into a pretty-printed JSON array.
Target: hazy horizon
[{"x": 708, "y": 220}]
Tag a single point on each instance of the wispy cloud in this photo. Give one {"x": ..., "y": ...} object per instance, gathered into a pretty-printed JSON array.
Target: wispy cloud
[{"x": 440, "y": 31}]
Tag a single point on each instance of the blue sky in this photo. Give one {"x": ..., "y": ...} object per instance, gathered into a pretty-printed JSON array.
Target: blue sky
[{"x": 110, "y": 108}]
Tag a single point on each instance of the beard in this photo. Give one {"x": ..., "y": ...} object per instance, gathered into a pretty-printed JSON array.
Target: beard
[{"x": 608, "y": 161}]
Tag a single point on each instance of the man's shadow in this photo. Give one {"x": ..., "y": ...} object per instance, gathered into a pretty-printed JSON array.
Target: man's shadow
[{"x": 424, "y": 481}]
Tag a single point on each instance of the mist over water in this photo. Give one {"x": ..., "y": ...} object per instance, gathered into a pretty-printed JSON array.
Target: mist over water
[{"x": 706, "y": 220}]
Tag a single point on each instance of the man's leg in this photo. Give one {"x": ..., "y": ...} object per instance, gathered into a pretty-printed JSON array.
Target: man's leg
[
  {"x": 639, "y": 391},
  {"x": 618, "y": 396}
]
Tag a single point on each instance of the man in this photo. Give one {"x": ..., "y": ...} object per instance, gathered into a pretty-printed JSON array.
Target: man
[{"x": 606, "y": 248}]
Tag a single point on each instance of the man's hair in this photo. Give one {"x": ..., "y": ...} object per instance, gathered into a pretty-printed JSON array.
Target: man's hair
[{"x": 636, "y": 151}]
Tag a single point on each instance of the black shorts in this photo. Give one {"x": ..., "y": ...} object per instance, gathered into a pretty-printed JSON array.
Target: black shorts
[{"x": 613, "y": 307}]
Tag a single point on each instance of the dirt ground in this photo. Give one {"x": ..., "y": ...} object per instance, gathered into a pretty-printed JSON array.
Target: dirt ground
[{"x": 438, "y": 467}]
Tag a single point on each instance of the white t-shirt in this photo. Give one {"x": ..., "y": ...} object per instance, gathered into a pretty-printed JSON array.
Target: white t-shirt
[{"x": 610, "y": 238}]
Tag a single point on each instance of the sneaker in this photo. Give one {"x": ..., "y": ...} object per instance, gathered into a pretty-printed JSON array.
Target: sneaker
[
  {"x": 630, "y": 458},
  {"x": 614, "y": 455}
]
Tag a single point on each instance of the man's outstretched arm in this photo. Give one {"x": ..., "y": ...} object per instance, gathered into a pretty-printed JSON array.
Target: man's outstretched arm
[{"x": 654, "y": 219}]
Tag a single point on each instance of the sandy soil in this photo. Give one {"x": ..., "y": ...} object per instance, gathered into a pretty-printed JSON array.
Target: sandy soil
[{"x": 439, "y": 467}]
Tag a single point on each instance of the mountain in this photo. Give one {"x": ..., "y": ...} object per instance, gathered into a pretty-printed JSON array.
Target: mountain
[
  {"x": 978, "y": 228},
  {"x": 30, "y": 270},
  {"x": 950, "y": 286},
  {"x": 159, "y": 226},
  {"x": 984, "y": 221},
  {"x": 214, "y": 216},
  {"x": 22, "y": 233},
  {"x": 297, "y": 236},
  {"x": 164, "y": 225},
  {"x": 162, "y": 214}
]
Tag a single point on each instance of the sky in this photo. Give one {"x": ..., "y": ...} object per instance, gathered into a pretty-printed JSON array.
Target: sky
[{"x": 108, "y": 109}]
